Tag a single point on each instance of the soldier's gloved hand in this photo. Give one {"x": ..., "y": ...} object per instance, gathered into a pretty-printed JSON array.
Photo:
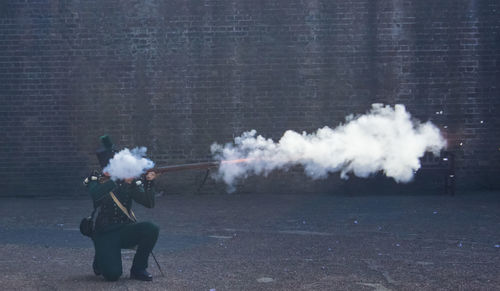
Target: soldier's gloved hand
[{"x": 150, "y": 176}]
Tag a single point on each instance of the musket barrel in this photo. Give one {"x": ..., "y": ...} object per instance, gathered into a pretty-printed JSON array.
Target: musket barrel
[
  {"x": 182, "y": 167},
  {"x": 195, "y": 166}
]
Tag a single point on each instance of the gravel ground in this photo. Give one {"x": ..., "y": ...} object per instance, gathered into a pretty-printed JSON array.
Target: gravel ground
[{"x": 268, "y": 242}]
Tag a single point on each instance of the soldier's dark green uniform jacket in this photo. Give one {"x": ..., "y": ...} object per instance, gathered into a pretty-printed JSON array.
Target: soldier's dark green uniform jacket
[{"x": 114, "y": 230}]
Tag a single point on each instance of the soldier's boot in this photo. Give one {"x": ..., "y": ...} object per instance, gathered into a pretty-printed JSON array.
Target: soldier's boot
[{"x": 141, "y": 275}]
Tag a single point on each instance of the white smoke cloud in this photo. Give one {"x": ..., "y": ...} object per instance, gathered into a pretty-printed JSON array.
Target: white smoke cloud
[
  {"x": 128, "y": 164},
  {"x": 385, "y": 139}
]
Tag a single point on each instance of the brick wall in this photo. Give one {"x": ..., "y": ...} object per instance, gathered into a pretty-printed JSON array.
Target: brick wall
[{"x": 176, "y": 76}]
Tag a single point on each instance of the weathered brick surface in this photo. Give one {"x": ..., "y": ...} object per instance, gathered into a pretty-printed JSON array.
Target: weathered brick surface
[{"x": 176, "y": 76}]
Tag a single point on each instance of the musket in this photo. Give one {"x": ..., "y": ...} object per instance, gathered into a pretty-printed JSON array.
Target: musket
[
  {"x": 194, "y": 166},
  {"x": 183, "y": 167}
]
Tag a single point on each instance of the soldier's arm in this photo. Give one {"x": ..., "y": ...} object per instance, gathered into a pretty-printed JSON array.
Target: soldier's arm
[
  {"x": 99, "y": 188},
  {"x": 143, "y": 192}
]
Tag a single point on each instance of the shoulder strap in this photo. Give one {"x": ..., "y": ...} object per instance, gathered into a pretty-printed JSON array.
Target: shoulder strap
[{"x": 130, "y": 215}]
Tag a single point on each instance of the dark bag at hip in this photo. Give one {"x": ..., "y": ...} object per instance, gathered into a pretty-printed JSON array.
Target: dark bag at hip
[{"x": 87, "y": 226}]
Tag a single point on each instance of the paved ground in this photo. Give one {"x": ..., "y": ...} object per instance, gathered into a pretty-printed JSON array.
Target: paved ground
[{"x": 269, "y": 242}]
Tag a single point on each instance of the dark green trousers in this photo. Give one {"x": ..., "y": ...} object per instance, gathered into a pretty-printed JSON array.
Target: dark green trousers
[{"x": 108, "y": 245}]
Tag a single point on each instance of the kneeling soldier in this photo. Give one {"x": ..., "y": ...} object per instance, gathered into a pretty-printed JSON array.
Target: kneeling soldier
[{"x": 115, "y": 224}]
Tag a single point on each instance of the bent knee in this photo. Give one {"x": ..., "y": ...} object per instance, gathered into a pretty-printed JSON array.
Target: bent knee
[{"x": 151, "y": 228}]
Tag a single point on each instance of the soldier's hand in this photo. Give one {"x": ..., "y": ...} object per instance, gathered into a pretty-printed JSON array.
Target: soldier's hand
[{"x": 151, "y": 176}]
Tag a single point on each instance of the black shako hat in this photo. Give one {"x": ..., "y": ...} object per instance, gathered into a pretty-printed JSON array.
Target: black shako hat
[{"x": 106, "y": 151}]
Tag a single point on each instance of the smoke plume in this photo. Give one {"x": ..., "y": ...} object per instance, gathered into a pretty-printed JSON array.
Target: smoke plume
[
  {"x": 384, "y": 139},
  {"x": 128, "y": 164}
]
